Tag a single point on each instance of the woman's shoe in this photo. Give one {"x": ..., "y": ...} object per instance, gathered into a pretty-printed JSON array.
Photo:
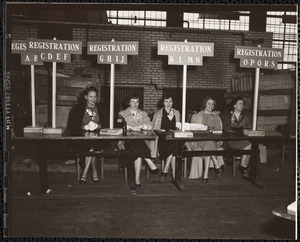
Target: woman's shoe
[
  {"x": 222, "y": 168},
  {"x": 95, "y": 179},
  {"x": 218, "y": 171},
  {"x": 82, "y": 180},
  {"x": 155, "y": 171},
  {"x": 164, "y": 175},
  {"x": 205, "y": 180},
  {"x": 243, "y": 169},
  {"x": 138, "y": 185}
]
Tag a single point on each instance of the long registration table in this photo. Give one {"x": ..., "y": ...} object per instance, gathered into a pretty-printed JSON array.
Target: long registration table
[
  {"x": 270, "y": 135},
  {"x": 43, "y": 141}
]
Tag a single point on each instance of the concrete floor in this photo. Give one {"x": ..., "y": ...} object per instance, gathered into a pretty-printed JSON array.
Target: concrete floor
[{"x": 223, "y": 208}]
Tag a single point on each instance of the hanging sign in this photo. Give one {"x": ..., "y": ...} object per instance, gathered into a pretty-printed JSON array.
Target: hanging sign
[
  {"x": 257, "y": 57},
  {"x": 115, "y": 52},
  {"x": 20, "y": 47},
  {"x": 54, "y": 50},
  {"x": 185, "y": 53},
  {"x": 36, "y": 51}
]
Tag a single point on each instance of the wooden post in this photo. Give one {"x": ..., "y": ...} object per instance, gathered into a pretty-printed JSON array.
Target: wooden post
[
  {"x": 112, "y": 94},
  {"x": 54, "y": 93},
  {"x": 32, "y": 96},
  {"x": 183, "y": 96},
  {"x": 255, "y": 98}
]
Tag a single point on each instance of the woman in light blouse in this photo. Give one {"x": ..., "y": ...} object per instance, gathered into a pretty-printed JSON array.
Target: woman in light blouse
[
  {"x": 137, "y": 120},
  {"x": 208, "y": 117}
]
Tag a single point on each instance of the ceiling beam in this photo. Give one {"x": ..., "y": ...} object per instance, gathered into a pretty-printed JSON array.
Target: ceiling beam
[{"x": 194, "y": 8}]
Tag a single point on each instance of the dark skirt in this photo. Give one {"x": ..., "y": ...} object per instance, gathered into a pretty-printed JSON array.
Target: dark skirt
[
  {"x": 166, "y": 148},
  {"x": 242, "y": 144},
  {"x": 137, "y": 149}
]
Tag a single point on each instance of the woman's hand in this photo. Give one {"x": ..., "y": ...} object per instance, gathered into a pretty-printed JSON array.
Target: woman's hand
[
  {"x": 120, "y": 145},
  {"x": 139, "y": 127},
  {"x": 91, "y": 126}
]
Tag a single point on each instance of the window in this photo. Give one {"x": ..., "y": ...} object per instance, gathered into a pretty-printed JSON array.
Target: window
[
  {"x": 284, "y": 36},
  {"x": 221, "y": 21},
  {"x": 138, "y": 18}
]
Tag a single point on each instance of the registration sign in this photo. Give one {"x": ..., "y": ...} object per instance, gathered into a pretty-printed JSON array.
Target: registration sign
[
  {"x": 185, "y": 53},
  {"x": 37, "y": 51},
  {"x": 20, "y": 47},
  {"x": 112, "y": 52},
  {"x": 257, "y": 57}
]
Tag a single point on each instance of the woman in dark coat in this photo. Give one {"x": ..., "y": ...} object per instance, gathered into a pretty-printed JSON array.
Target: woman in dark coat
[
  {"x": 86, "y": 119},
  {"x": 237, "y": 120},
  {"x": 166, "y": 118}
]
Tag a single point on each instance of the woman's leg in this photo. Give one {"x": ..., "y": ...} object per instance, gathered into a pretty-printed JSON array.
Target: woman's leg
[
  {"x": 94, "y": 168},
  {"x": 167, "y": 164},
  {"x": 173, "y": 162},
  {"x": 151, "y": 164},
  {"x": 137, "y": 168},
  {"x": 206, "y": 167},
  {"x": 215, "y": 161},
  {"x": 245, "y": 161},
  {"x": 87, "y": 166},
  {"x": 245, "y": 158}
]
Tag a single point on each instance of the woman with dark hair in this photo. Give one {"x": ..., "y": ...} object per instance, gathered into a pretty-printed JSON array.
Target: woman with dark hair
[
  {"x": 208, "y": 117},
  {"x": 166, "y": 119},
  {"x": 86, "y": 118},
  {"x": 237, "y": 120},
  {"x": 137, "y": 120}
]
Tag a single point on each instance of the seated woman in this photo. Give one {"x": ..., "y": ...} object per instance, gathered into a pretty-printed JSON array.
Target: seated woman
[
  {"x": 86, "y": 118},
  {"x": 137, "y": 120},
  {"x": 237, "y": 120},
  {"x": 166, "y": 119},
  {"x": 211, "y": 119}
]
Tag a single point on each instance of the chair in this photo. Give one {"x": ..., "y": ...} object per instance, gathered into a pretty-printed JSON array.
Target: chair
[{"x": 235, "y": 160}]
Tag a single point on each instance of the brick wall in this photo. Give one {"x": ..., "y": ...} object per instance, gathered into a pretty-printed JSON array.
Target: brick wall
[{"x": 151, "y": 70}]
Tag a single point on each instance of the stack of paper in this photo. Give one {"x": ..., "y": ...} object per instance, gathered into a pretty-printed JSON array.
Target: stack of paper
[
  {"x": 192, "y": 126},
  {"x": 217, "y": 131},
  {"x": 115, "y": 131},
  {"x": 182, "y": 134},
  {"x": 249, "y": 132}
]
